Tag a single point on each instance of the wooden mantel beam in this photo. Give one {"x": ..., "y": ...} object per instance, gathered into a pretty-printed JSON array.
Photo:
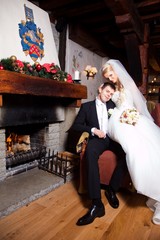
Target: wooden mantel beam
[
  {"x": 22, "y": 84},
  {"x": 127, "y": 17}
]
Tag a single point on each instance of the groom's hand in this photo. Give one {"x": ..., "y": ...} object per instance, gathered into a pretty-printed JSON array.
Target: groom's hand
[{"x": 99, "y": 133}]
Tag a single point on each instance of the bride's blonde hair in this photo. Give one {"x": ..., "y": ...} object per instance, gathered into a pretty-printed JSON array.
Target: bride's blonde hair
[
  {"x": 106, "y": 68},
  {"x": 127, "y": 83}
]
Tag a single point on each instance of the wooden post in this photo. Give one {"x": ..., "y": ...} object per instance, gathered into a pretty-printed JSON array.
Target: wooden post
[{"x": 144, "y": 61}]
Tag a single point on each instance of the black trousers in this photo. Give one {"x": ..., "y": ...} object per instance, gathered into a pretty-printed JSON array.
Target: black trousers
[{"x": 94, "y": 149}]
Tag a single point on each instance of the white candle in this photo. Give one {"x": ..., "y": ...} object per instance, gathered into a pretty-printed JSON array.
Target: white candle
[{"x": 76, "y": 75}]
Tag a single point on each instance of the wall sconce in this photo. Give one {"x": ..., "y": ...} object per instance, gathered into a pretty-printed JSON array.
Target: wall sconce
[{"x": 90, "y": 71}]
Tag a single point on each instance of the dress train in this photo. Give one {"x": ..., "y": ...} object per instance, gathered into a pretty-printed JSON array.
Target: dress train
[{"x": 140, "y": 142}]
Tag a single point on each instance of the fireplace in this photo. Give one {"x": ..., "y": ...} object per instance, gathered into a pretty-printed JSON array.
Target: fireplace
[
  {"x": 30, "y": 125},
  {"x": 31, "y": 110},
  {"x": 17, "y": 158},
  {"x": 25, "y": 145}
]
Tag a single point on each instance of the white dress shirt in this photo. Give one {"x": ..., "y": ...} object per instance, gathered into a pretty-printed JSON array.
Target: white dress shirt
[{"x": 102, "y": 115}]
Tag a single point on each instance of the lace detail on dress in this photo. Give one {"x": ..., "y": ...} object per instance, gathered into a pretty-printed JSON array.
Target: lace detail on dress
[
  {"x": 119, "y": 98},
  {"x": 123, "y": 99}
]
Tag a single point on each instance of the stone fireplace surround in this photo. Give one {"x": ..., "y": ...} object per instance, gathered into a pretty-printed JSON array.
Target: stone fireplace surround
[{"x": 27, "y": 100}]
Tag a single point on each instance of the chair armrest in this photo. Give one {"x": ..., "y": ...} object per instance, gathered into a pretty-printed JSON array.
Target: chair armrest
[
  {"x": 83, "y": 140},
  {"x": 81, "y": 147}
]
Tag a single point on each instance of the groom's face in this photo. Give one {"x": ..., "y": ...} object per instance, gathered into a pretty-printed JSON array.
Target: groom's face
[{"x": 105, "y": 94}]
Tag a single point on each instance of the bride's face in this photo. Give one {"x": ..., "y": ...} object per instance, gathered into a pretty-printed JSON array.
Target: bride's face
[{"x": 111, "y": 75}]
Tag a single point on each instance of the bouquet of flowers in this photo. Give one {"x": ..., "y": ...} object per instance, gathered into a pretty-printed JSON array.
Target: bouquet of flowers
[
  {"x": 130, "y": 116},
  {"x": 110, "y": 111}
]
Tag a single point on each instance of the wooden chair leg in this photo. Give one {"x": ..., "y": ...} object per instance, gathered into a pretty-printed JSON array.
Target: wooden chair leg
[{"x": 83, "y": 172}]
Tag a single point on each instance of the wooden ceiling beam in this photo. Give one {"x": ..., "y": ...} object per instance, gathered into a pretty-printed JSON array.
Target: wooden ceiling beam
[
  {"x": 150, "y": 17},
  {"x": 126, "y": 16},
  {"x": 76, "y": 10},
  {"x": 96, "y": 18},
  {"x": 79, "y": 35},
  {"x": 157, "y": 45},
  {"x": 48, "y": 5},
  {"x": 102, "y": 29},
  {"x": 108, "y": 24},
  {"x": 119, "y": 7},
  {"x": 147, "y": 3},
  {"x": 155, "y": 39}
]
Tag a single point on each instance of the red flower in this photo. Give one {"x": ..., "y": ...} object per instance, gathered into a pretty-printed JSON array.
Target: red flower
[
  {"x": 53, "y": 70},
  {"x": 47, "y": 66},
  {"x": 19, "y": 63},
  {"x": 69, "y": 78},
  {"x": 51, "y": 67}
]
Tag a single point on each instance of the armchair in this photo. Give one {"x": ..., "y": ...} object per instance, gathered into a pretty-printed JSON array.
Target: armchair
[
  {"x": 107, "y": 161},
  {"x": 107, "y": 164}
]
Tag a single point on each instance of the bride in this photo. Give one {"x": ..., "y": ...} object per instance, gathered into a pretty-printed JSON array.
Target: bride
[{"x": 132, "y": 126}]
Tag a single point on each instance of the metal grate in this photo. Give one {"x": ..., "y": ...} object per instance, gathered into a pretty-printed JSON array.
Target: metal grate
[
  {"x": 60, "y": 164},
  {"x": 25, "y": 157}
]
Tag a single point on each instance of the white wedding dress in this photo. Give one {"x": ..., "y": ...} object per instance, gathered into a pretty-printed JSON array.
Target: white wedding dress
[{"x": 141, "y": 143}]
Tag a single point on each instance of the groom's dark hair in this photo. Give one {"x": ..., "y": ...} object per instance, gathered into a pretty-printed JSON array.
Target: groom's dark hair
[{"x": 109, "y": 84}]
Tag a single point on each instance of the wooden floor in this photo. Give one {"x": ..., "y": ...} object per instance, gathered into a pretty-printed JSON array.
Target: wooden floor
[{"x": 54, "y": 216}]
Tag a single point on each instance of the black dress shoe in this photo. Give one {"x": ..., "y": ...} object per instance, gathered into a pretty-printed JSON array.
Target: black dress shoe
[
  {"x": 111, "y": 196},
  {"x": 91, "y": 215}
]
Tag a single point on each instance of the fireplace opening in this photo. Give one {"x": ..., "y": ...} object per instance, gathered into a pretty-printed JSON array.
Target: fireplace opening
[{"x": 25, "y": 145}]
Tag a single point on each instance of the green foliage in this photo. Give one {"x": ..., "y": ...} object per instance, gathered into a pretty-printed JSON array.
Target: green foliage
[{"x": 51, "y": 71}]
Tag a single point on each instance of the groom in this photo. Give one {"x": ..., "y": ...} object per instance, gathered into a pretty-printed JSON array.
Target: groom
[{"x": 93, "y": 118}]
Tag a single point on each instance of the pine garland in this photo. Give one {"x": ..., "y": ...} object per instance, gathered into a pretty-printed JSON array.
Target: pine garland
[{"x": 46, "y": 70}]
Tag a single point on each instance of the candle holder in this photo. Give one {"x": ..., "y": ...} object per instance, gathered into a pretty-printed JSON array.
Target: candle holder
[{"x": 77, "y": 81}]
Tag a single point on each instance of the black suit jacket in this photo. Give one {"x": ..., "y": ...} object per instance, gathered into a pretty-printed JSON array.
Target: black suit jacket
[{"x": 87, "y": 117}]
